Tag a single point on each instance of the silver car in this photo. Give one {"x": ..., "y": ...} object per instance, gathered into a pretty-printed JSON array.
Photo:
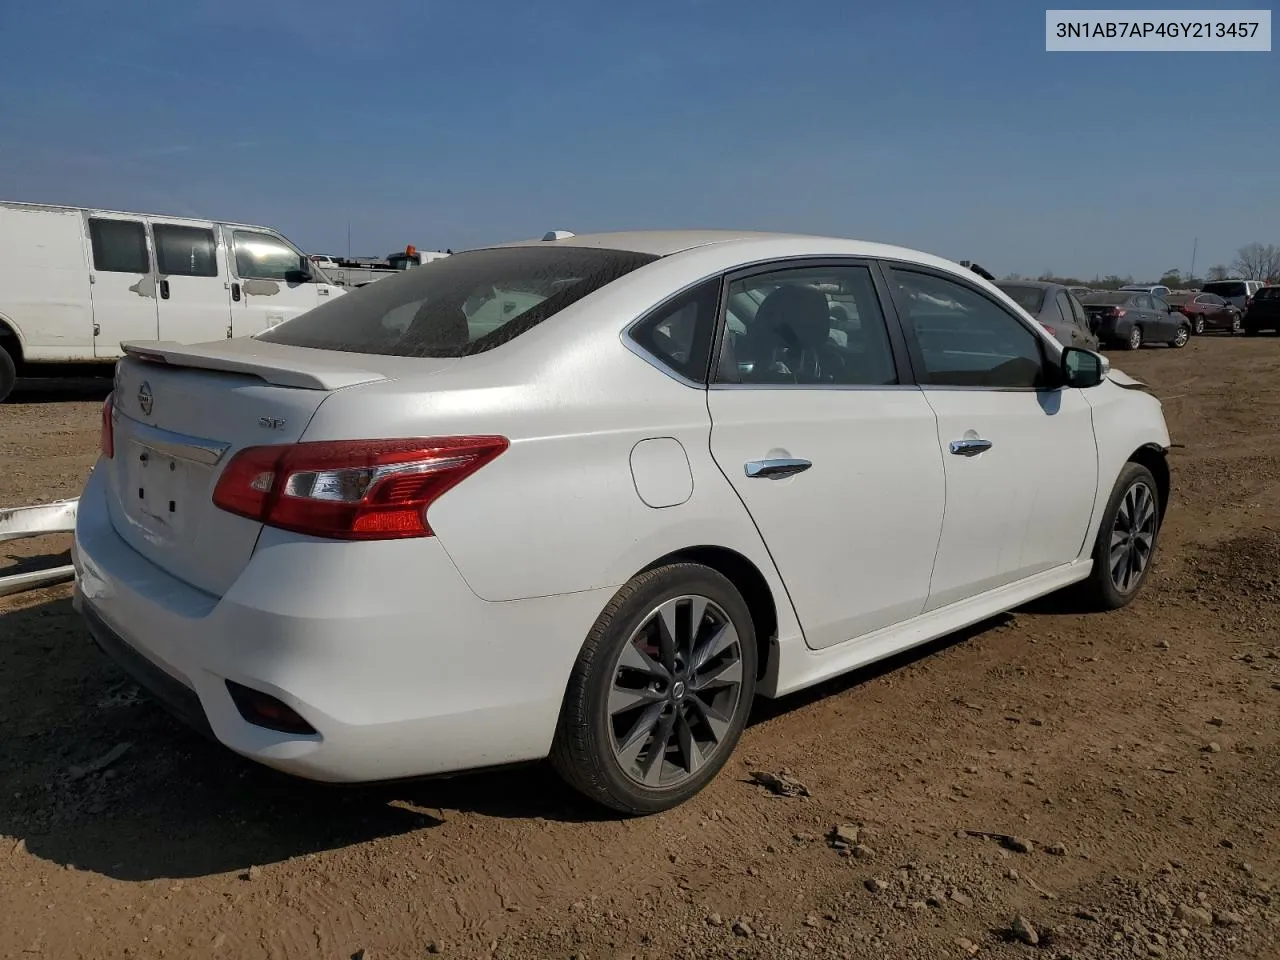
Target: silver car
[{"x": 1056, "y": 308}]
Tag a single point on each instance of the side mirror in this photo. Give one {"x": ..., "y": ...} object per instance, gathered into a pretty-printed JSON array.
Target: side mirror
[{"x": 1082, "y": 368}]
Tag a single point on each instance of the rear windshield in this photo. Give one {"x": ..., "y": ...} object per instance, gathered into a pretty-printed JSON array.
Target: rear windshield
[
  {"x": 1178, "y": 299},
  {"x": 1106, "y": 298},
  {"x": 1225, "y": 288},
  {"x": 1268, "y": 293},
  {"x": 460, "y": 305},
  {"x": 1029, "y": 299}
]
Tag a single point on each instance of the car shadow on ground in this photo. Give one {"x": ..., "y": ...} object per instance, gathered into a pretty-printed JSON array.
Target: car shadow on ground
[
  {"x": 57, "y": 390},
  {"x": 99, "y": 778}
]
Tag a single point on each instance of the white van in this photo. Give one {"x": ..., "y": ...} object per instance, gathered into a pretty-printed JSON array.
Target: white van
[{"x": 74, "y": 282}]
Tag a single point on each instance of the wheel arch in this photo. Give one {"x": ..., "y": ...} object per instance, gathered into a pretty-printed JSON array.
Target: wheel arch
[
  {"x": 747, "y": 580},
  {"x": 11, "y": 339},
  {"x": 1156, "y": 459}
]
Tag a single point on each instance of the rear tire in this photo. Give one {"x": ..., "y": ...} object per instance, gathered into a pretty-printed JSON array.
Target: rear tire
[
  {"x": 8, "y": 373},
  {"x": 647, "y": 676},
  {"x": 1126, "y": 543},
  {"x": 1198, "y": 328},
  {"x": 1135, "y": 338}
]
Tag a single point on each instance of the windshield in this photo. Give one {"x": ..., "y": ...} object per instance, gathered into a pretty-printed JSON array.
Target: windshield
[
  {"x": 460, "y": 305},
  {"x": 1226, "y": 288},
  {"x": 402, "y": 262},
  {"x": 1030, "y": 299}
]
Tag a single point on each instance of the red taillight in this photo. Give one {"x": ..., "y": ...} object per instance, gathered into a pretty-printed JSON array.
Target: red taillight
[
  {"x": 1118, "y": 312},
  {"x": 107, "y": 439},
  {"x": 350, "y": 489}
]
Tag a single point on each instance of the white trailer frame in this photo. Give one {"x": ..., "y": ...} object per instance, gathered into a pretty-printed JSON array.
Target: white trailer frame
[{"x": 18, "y": 523}]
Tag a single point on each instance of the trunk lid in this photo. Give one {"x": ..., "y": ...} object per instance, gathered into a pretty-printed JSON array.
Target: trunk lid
[{"x": 181, "y": 414}]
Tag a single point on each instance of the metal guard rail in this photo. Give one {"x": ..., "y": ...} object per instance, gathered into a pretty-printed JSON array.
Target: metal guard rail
[{"x": 18, "y": 523}]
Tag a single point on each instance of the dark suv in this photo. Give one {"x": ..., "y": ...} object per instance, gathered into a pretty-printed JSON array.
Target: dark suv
[{"x": 1263, "y": 312}]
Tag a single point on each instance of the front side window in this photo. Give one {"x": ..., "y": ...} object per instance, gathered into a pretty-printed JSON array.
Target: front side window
[
  {"x": 119, "y": 246},
  {"x": 260, "y": 256},
  {"x": 965, "y": 339},
  {"x": 808, "y": 326},
  {"x": 460, "y": 305},
  {"x": 185, "y": 251},
  {"x": 679, "y": 334}
]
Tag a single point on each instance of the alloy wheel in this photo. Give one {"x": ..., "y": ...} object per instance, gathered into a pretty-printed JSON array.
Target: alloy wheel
[
  {"x": 1135, "y": 338},
  {"x": 677, "y": 685},
  {"x": 1181, "y": 337},
  {"x": 1199, "y": 325},
  {"x": 1133, "y": 537}
]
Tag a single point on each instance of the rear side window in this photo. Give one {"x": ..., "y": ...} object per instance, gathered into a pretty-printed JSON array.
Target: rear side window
[
  {"x": 185, "y": 251},
  {"x": 1268, "y": 293},
  {"x": 119, "y": 246},
  {"x": 460, "y": 305},
  {"x": 679, "y": 333}
]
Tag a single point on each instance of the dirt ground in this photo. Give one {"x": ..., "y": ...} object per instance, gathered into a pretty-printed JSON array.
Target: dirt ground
[{"x": 1134, "y": 758}]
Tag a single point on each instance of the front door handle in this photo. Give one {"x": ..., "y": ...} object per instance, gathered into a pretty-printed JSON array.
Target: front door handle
[
  {"x": 164, "y": 289},
  {"x": 776, "y": 469},
  {"x": 969, "y": 448},
  {"x": 235, "y": 292}
]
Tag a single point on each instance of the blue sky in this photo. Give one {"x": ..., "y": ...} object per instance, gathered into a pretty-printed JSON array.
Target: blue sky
[{"x": 943, "y": 126}]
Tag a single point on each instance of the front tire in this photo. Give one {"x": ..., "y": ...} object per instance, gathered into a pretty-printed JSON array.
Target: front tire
[
  {"x": 660, "y": 692},
  {"x": 1235, "y": 325},
  {"x": 1181, "y": 337},
  {"x": 1126, "y": 542}
]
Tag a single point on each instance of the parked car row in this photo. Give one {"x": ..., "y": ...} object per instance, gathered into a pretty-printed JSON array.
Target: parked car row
[{"x": 1136, "y": 314}]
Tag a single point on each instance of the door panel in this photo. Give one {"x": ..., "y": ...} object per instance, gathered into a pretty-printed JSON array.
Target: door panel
[
  {"x": 1019, "y": 453},
  {"x": 273, "y": 282},
  {"x": 1024, "y": 505},
  {"x": 192, "y": 278},
  {"x": 837, "y": 464},
  {"x": 123, "y": 286},
  {"x": 854, "y": 535}
]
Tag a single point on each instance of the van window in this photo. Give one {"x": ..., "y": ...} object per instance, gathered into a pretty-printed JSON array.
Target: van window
[
  {"x": 119, "y": 246},
  {"x": 1226, "y": 288},
  {"x": 185, "y": 251},
  {"x": 460, "y": 305},
  {"x": 260, "y": 256}
]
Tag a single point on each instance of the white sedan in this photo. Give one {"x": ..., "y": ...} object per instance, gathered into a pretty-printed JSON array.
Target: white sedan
[{"x": 587, "y": 497}]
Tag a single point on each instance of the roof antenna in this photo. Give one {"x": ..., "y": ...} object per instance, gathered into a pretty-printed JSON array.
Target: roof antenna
[{"x": 557, "y": 235}]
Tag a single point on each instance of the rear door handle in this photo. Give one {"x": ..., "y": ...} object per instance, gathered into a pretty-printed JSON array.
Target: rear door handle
[
  {"x": 776, "y": 469},
  {"x": 969, "y": 448},
  {"x": 164, "y": 289}
]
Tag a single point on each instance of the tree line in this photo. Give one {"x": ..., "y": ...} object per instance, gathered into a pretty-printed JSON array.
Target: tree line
[{"x": 1254, "y": 261}]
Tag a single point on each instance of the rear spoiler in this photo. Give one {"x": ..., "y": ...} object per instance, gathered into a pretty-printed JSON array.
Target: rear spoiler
[{"x": 251, "y": 358}]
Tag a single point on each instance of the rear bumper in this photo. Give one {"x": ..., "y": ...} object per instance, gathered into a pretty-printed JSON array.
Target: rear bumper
[{"x": 383, "y": 649}]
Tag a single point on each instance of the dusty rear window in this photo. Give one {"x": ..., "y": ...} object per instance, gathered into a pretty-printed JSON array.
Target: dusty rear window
[
  {"x": 460, "y": 305},
  {"x": 1030, "y": 299}
]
